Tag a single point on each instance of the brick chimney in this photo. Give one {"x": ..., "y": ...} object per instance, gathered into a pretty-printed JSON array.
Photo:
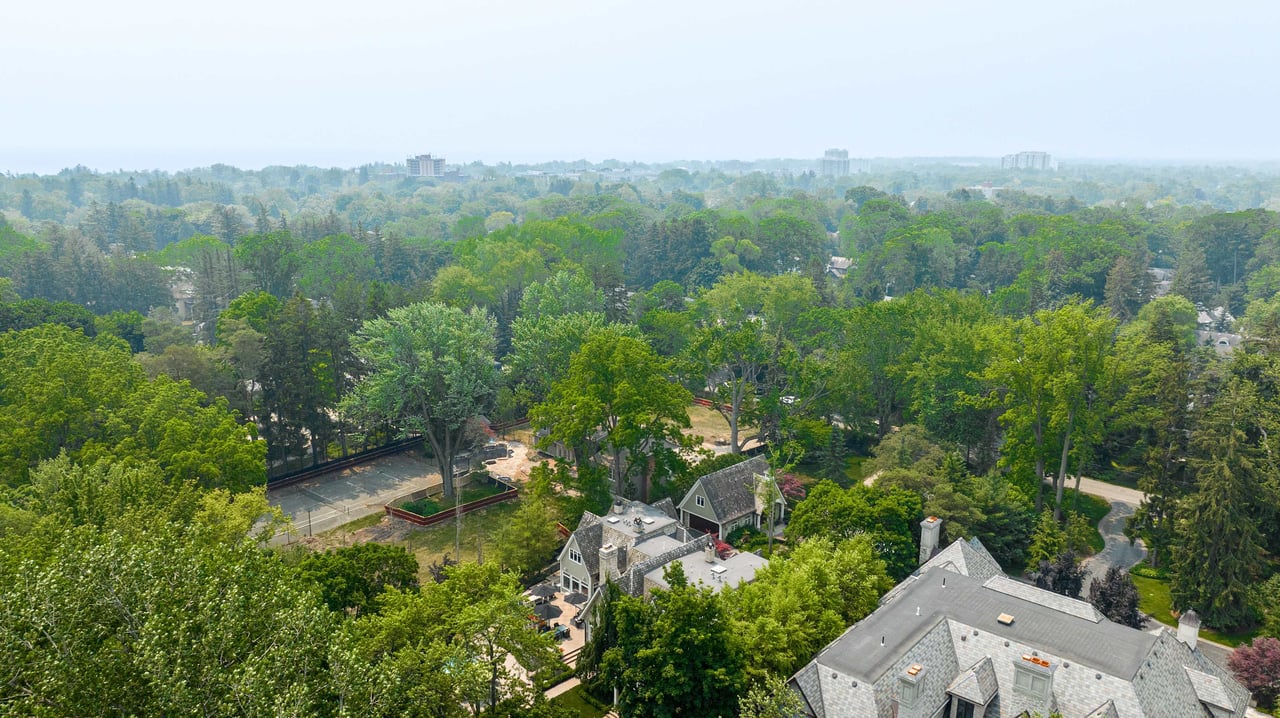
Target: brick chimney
[{"x": 930, "y": 533}]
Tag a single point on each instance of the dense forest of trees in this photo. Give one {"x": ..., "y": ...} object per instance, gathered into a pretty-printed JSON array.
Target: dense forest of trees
[{"x": 170, "y": 341}]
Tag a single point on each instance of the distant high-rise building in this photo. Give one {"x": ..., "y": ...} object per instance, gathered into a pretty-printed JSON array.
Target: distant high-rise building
[
  {"x": 835, "y": 163},
  {"x": 425, "y": 166},
  {"x": 1027, "y": 161}
]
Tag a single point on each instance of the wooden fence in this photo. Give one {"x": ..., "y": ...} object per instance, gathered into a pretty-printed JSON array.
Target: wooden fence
[{"x": 510, "y": 493}]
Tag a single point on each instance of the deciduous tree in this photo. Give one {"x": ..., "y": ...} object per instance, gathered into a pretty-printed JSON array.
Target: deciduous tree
[{"x": 431, "y": 371}]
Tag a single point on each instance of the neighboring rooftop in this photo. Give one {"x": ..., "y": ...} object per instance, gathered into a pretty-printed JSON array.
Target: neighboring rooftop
[
  {"x": 731, "y": 490},
  {"x": 735, "y": 570},
  {"x": 636, "y": 519}
]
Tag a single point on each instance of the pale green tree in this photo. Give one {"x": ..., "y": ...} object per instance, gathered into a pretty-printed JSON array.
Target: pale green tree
[{"x": 431, "y": 372}]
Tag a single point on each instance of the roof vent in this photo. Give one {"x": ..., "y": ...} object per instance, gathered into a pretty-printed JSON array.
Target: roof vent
[
  {"x": 1005, "y": 619},
  {"x": 612, "y": 519},
  {"x": 647, "y": 520}
]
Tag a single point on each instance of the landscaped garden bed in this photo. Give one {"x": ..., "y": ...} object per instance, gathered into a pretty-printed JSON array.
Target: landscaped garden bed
[{"x": 483, "y": 490}]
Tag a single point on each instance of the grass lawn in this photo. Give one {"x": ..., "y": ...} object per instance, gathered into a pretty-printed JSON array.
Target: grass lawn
[
  {"x": 573, "y": 704},
  {"x": 708, "y": 424},
  {"x": 854, "y": 469},
  {"x": 430, "y": 544},
  {"x": 1154, "y": 600},
  {"x": 360, "y": 523},
  {"x": 1094, "y": 509}
]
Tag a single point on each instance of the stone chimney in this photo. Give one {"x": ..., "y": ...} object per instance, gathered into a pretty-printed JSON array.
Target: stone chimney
[
  {"x": 709, "y": 551},
  {"x": 930, "y": 533},
  {"x": 1189, "y": 628},
  {"x": 609, "y": 567}
]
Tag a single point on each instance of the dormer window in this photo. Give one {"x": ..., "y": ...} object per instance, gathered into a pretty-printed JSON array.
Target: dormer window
[
  {"x": 1031, "y": 677},
  {"x": 701, "y": 502}
]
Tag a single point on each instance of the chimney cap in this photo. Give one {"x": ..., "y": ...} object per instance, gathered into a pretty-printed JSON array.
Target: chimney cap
[{"x": 1189, "y": 618}]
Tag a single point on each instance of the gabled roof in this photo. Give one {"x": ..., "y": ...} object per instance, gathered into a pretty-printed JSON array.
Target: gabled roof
[
  {"x": 731, "y": 490},
  {"x": 967, "y": 558},
  {"x": 892, "y": 630},
  {"x": 666, "y": 506},
  {"x": 1106, "y": 710},
  {"x": 976, "y": 685},
  {"x": 1209, "y": 689},
  {"x": 588, "y": 536}
]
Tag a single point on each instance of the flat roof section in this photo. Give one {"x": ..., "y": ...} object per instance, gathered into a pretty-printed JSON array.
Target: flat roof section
[{"x": 1103, "y": 646}]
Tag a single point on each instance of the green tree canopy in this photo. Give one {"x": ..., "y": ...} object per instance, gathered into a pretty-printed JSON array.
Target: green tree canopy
[{"x": 64, "y": 392}]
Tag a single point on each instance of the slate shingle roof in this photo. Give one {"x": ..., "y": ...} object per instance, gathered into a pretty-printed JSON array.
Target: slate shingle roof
[
  {"x": 969, "y": 558},
  {"x": 1100, "y": 669},
  {"x": 589, "y": 537},
  {"x": 1106, "y": 710},
  {"x": 668, "y": 507},
  {"x": 978, "y": 684},
  {"x": 730, "y": 491}
]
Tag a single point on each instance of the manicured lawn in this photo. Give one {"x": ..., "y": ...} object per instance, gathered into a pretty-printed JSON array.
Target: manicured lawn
[
  {"x": 1154, "y": 600},
  {"x": 573, "y": 704}
]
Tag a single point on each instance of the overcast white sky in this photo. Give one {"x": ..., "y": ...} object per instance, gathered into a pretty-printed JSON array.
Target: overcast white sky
[{"x": 140, "y": 84}]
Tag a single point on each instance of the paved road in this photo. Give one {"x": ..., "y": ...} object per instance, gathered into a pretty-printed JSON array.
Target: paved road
[
  {"x": 1119, "y": 552},
  {"x": 1110, "y": 492}
]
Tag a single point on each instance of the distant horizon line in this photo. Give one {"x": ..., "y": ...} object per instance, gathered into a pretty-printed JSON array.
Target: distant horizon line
[{"x": 258, "y": 166}]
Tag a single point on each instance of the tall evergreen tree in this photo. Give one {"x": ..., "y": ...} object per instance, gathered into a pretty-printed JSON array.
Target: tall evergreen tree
[{"x": 1220, "y": 548}]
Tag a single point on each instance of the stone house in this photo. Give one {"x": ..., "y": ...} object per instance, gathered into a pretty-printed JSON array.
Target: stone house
[
  {"x": 633, "y": 543},
  {"x": 960, "y": 639},
  {"x": 734, "y": 496}
]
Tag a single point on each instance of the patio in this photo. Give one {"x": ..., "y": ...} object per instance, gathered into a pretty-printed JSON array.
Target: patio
[{"x": 570, "y": 645}]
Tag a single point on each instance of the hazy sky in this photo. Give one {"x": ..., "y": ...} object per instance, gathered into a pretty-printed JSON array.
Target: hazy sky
[{"x": 170, "y": 84}]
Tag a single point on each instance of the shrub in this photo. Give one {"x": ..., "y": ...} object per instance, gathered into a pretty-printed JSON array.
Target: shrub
[{"x": 1257, "y": 666}]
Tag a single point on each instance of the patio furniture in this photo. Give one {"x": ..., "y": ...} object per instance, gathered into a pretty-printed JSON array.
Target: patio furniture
[{"x": 546, "y": 611}]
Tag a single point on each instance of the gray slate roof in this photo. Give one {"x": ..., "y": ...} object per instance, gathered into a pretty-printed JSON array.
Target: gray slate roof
[
  {"x": 1103, "y": 669},
  {"x": 730, "y": 491},
  {"x": 1106, "y": 710},
  {"x": 589, "y": 537},
  {"x": 1209, "y": 689},
  {"x": 1109, "y": 647},
  {"x": 667, "y": 506},
  {"x": 970, "y": 558},
  {"x": 978, "y": 684}
]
